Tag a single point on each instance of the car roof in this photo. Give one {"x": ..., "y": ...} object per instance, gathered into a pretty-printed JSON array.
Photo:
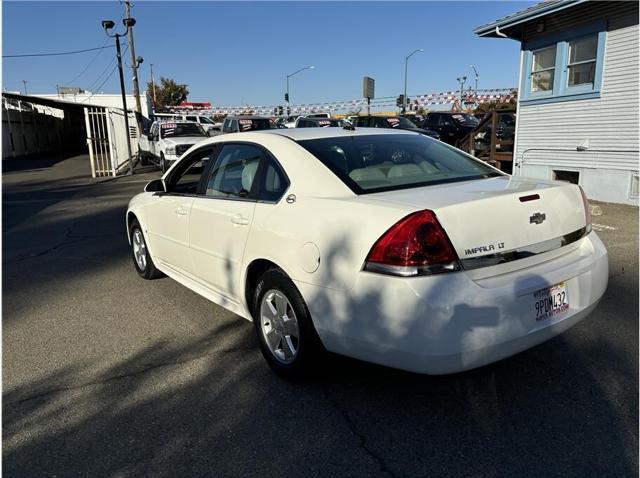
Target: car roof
[{"x": 300, "y": 134}]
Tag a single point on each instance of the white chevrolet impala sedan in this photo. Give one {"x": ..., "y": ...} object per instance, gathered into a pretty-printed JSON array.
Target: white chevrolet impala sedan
[{"x": 383, "y": 245}]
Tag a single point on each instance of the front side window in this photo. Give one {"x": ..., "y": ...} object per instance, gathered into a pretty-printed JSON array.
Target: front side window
[
  {"x": 234, "y": 172},
  {"x": 582, "y": 60},
  {"x": 186, "y": 178},
  {"x": 373, "y": 163},
  {"x": 543, "y": 69}
]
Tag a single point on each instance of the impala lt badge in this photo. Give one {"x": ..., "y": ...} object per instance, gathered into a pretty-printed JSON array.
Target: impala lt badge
[{"x": 537, "y": 218}]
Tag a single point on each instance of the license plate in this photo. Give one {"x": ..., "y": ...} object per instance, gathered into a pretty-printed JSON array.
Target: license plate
[{"x": 550, "y": 302}]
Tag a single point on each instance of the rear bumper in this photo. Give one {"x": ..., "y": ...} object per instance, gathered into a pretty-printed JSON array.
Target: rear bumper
[{"x": 451, "y": 322}]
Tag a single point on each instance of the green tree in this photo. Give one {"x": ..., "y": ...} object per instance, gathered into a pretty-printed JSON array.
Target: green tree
[{"x": 167, "y": 93}]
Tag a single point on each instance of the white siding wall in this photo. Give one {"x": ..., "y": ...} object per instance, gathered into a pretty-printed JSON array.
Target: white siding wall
[{"x": 608, "y": 125}]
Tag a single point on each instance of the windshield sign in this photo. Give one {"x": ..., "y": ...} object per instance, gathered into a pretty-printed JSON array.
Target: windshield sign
[
  {"x": 465, "y": 118},
  {"x": 174, "y": 130}
]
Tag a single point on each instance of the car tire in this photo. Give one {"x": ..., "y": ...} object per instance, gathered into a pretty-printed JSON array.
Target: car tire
[
  {"x": 292, "y": 355},
  {"x": 140, "y": 253}
]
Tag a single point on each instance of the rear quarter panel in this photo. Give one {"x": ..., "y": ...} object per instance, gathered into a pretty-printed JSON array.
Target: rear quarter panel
[{"x": 343, "y": 230}]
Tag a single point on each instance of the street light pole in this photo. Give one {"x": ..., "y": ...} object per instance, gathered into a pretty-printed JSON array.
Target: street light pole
[
  {"x": 406, "y": 61},
  {"x": 107, "y": 25},
  {"x": 286, "y": 96},
  {"x": 476, "y": 73}
]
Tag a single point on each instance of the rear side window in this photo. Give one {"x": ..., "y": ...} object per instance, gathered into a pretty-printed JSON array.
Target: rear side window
[
  {"x": 274, "y": 183},
  {"x": 234, "y": 172},
  {"x": 375, "y": 163}
]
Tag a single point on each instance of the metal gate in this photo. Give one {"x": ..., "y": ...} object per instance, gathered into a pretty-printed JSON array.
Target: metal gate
[{"x": 98, "y": 134}]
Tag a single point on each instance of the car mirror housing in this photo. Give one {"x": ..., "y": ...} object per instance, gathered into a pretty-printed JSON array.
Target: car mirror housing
[{"x": 155, "y": 186}]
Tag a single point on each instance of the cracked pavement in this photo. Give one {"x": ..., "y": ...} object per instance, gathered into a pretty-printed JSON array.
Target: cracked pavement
[{"x": 105, "y": 374}]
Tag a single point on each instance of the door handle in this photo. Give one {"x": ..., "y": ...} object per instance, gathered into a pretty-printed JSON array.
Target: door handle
[
  {"x": 240, "y": 220},
  {"x": 182, "y": 211}
]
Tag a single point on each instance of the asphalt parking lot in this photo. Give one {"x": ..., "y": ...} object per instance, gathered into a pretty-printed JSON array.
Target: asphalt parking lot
[{"x": 105, "y": 374}]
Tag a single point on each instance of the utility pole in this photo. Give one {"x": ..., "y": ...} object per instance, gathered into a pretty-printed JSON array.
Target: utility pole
[
  {"x": 129, "y": 23},
  {"x": 25, "y": 86},
  {"x": 108, "y": 25},
  {"x": 153, "y": 85}
]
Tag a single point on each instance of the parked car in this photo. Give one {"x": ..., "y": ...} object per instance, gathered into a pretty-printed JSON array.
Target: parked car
[
  {"x": 379, "y": 244},
  {"x": 317, "y": 122},
  {"x": 288, "y": 121},
  {"x": 394, "y": 122},
  {"x": 168, "y": 140},
  {"x": 207, "y": 123},
  {"x": 451, "y": 127},
  {"x": 241, "y": 124},
  {"x": 506, "y": 130}
]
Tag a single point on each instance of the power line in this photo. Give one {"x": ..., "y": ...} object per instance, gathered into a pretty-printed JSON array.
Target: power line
[
  {"x": 95, "y": 57},
  {"x": 58, "y": 53},
  {"x": 95, "y": 82},
  {"x": 97, "y": 88}
]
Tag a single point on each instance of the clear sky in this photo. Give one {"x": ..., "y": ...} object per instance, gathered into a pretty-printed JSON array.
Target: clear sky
[{"x": 237, "y": 53}]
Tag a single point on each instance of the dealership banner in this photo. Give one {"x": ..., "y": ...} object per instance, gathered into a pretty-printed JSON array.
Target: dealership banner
[{"x": 360, "y": 104}]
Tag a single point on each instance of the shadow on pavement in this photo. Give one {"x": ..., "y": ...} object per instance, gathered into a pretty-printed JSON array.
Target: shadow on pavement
[{"x": 203, "y": 402}]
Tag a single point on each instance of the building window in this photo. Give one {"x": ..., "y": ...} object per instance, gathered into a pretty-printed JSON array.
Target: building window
[
  {"x": 542, "y": 69},
  {"x": 569, "y": 176},
  {"x": 564, "y": 66},
  {"x": 582, "y": 61}
]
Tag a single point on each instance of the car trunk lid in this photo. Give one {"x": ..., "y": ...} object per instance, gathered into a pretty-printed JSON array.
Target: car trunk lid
[{"x": 488, "y": 217}]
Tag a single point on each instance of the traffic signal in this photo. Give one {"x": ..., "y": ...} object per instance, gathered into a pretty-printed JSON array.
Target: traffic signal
[
  {"x": 280, "y": 110},
  {"x": 275, "y": 111},
  {"x": 400, "y": 100},
  {"x": 286, "y": 97}
]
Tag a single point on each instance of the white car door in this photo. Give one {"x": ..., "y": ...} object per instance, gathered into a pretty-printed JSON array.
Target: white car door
[
  {"x": 169, "y": 215},
  {"x": 222, "y": 216}
]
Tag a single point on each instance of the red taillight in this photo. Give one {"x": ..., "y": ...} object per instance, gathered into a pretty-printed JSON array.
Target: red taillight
[
  {"x": 415, "y": 245},
  {"x": 587, "y": 210}
]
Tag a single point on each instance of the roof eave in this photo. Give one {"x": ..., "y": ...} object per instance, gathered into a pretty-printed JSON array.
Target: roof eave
[{"x": 489, "y": 30}]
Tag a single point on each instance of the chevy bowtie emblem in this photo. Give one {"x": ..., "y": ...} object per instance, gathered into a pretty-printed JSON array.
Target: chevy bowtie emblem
[{"x": 537, "y": 218}]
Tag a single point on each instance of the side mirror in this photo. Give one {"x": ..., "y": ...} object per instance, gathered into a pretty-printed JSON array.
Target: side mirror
[{"x": 155, "y": 186}]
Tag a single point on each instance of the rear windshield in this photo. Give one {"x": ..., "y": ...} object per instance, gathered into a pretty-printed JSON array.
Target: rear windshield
[
  {"x": 375, "y": 163},
  {"x": 254, "y": 124}
]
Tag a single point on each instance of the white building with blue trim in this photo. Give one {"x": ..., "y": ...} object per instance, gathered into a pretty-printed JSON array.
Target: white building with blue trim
[{"x": 578, "y": 113}]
